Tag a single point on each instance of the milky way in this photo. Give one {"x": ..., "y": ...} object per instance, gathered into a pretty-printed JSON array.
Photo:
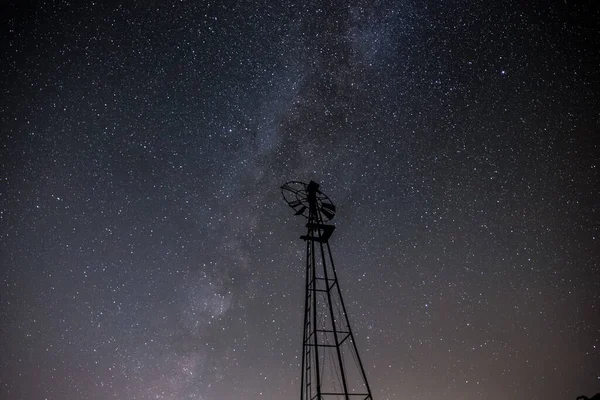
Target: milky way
[{"x": 146, "y": 252}]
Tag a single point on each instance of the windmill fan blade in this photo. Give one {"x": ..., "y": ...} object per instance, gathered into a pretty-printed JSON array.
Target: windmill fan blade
[
  {"x": 328, "y": 206},
  {"x": 300, "y": 211},
  {"x": 328, "y": 214}
]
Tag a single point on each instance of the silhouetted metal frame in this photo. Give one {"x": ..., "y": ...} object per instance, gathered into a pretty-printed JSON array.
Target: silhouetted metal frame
[{"x": 310, "y": 328}]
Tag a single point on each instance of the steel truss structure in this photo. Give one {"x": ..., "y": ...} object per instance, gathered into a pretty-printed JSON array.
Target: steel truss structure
[{"x": 331, "y": 365}]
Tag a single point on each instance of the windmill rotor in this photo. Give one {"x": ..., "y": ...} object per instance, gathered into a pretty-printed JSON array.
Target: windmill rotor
[{"x": 297, "y": 195}]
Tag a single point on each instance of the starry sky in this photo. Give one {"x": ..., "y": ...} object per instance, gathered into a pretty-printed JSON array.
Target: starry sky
[{"x": 146, "y": 251}]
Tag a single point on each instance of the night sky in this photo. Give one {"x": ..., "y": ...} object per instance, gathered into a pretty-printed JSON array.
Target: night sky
[{"x": 146, "y": 250}]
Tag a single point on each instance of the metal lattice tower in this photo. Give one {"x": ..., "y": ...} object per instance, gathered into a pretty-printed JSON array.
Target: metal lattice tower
[{"x": 331, "y": 366}]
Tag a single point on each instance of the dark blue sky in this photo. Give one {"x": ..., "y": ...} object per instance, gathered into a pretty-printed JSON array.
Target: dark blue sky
[{"x": 145, "y": 248}]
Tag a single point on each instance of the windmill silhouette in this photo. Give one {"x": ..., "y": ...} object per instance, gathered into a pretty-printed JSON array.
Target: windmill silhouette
[{"x": 331, "y": 365}]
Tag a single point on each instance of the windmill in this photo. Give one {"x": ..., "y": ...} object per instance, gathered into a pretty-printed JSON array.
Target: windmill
[{"x": 331, "y": 365}]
